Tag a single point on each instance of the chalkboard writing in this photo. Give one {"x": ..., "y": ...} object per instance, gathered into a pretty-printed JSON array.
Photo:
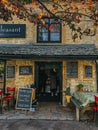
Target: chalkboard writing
[
  {"x": 24, "y": 98},
  {"x": 25, "y": 70},
  {"x": 10, "y": 71},
  {"x": 88, "y": 71},
  {"x": 72, "y": 69}
]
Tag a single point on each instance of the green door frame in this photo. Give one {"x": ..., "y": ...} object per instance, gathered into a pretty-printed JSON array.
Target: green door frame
[{"x": 4, "y": 74}]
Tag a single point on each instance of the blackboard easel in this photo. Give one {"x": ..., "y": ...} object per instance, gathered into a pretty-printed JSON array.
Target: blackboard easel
[{"x": 24, "y": 98}]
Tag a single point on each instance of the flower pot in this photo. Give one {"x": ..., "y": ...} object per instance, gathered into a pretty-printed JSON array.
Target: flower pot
[{"x": 81, "y": 90}]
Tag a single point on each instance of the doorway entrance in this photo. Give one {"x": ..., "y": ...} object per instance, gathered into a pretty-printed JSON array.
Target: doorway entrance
[{"x": 48, "y": 80}]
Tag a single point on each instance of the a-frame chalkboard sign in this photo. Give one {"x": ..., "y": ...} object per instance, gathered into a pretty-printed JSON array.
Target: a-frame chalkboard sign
[{"x": 24, "y": 98}]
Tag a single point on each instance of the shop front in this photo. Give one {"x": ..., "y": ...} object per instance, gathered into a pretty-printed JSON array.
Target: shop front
[{"x": 51, "y": 71}]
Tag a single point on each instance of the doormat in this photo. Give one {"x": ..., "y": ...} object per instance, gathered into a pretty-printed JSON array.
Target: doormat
[{"x": 66, "y": 108}]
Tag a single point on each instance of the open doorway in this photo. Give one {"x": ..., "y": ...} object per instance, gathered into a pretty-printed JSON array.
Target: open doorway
[{"x": 48, "y": 80}]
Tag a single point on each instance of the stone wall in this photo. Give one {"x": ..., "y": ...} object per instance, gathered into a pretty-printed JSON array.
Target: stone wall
[
  {"x": 31, "y": 35},
  {"x": 87, "y": 82},
  {"x": 20, "y": 80}
]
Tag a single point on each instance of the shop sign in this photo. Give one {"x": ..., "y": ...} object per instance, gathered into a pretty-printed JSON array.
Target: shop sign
[
  {"x": 24, "y": 98},
  {"x": 12, "y": 30}
]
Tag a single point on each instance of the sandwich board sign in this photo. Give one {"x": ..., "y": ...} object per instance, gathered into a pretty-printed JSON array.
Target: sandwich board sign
[{"x": 24, "y": 98}]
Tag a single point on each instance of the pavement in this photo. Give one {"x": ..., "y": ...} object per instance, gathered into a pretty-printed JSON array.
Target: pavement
[
  {"x": 45, "y": 125},
  {"x": 45, "y": 110},
  {"x": 46, "y": 116}
]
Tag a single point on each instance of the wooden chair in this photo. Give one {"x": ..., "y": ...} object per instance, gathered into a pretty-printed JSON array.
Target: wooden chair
[
  {"x": 1, "y": 101},
  {"x": 95, "y": 108},
  {"x": 10, "y": 96}
]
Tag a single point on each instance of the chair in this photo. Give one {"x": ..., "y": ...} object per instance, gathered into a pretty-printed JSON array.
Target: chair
[
  {"x": 9, "y": 96},
  {"x": 1, "y": 101},
  {"x": 95, "y": 108}
]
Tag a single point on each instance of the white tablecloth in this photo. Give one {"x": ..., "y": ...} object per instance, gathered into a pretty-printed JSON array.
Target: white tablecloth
[{"x": 85, "y": 97}]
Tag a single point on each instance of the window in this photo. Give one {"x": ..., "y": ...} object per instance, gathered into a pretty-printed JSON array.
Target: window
[
  {"x": 10, "y": 71},
  {"x": 72, "y": 69},
  {"x": 88, "y": 71},
  {"x": 50, "y": 31}
]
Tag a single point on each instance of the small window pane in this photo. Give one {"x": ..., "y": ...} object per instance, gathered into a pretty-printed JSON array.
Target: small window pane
[
  {"x": 54, "y": 37},
  {"x": 56, "y": 28},
  {"x": 88, "y": 71},
  {"x": 44, "y": 29},
  {"x": 54, "y": 20},
  {"x": 43, "y": 36},
  {"x": 10, "y": 71},
  {"x": 46, "y": 20},
  {"x": 72, "y": 69}
]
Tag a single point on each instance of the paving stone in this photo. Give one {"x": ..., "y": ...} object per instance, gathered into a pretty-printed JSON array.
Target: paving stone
[{"x": 45, "y": 110}]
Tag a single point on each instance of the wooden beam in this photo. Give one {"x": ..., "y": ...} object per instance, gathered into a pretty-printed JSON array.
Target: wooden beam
[{"x": 77, "y": 114}]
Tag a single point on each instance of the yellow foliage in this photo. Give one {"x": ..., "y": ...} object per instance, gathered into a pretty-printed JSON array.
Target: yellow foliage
[
  {"x": 4, "y": 1},
  {"x": 85, "y": 12},
  {"x": 40, "y": 16}
]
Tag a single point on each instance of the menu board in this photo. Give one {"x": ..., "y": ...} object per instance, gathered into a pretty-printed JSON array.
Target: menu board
[
  {"x": 25, "y": 70},
  {"x": 24, "y": 98},
  {"x": 10, "y": 71}
]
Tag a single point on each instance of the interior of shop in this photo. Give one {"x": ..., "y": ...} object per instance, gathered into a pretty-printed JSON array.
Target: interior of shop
[{"x": 49, "y": 81}]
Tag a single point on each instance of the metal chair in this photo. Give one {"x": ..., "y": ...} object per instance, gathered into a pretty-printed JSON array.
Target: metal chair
[
  {"x": 95, "y": 108},
  {"x": 1, "y": 101},
  {"x": 9, "y": 96}
]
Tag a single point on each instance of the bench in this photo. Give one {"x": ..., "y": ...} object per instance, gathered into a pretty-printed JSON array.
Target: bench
[
  {"x": 76, "y": 102},
  {"x": 78, "y": 105}
]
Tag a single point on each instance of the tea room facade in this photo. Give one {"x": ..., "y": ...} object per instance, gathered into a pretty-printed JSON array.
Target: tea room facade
[{"x": 37, "y": 54}]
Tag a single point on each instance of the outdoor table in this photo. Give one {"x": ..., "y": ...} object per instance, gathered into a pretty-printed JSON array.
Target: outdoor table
[
  {"x": 2, "y": 100},
  {"x": 84, "y": 98}
]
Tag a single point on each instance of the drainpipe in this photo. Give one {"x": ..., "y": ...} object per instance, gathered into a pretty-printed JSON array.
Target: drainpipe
[
  {"x": 97, "y": 73},
  {"x": 4, "y": 89}
]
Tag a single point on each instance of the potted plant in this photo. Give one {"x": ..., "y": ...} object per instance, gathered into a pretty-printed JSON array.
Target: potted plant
[
  {"x": 67, "y": 106},
  {"x": 68, "y": 95},
  {"x": 80, "y": 87}
]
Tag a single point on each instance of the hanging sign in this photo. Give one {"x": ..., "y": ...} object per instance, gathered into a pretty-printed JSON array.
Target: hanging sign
[{"x": 12, "y": 30}]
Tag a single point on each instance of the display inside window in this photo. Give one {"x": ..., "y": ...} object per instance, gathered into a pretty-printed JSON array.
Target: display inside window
[
  {"x": 25, "y": 70},
  {"x": 72, "y": 69},
  {"x": 88, "y": 71},
  {"x": 51, "y": 32},
  {"x": 10, "y": 71}
]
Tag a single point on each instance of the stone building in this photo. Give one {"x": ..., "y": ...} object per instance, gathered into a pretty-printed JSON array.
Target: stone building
[{"x": 31, "y": 58}]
